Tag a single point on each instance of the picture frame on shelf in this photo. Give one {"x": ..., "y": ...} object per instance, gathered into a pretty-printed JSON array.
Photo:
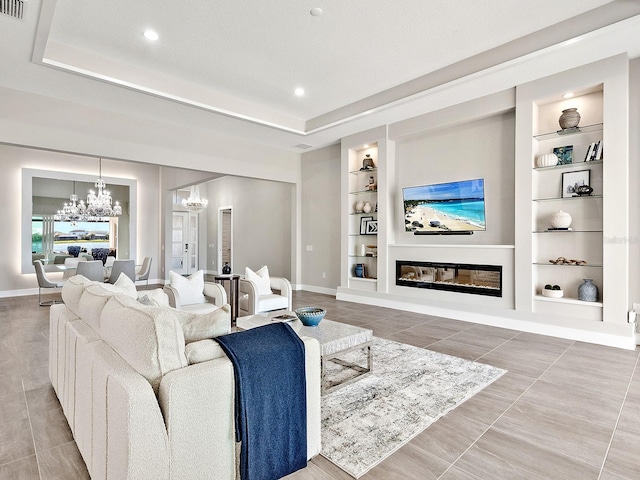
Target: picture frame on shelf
[
  {"x": 571, "y": 180},
  {"x": 564, "y": 154},
  {"x": 371, "y": 227},
  {"x": 363, "y": 225}
]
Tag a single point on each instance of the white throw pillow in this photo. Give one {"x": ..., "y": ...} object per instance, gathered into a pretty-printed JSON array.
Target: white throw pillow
[
  {"x": 72, "y": 291},
  {"x": 154, "y": 298},
  {"x": 260, "y": 278},
  {"x": 203, "y": 351},
  {"x": 189, "y": 289},
  {"x": 93, "y": 300},
  {"x": 147, "y": 338},
  {"x": 123, "y": 285},
  {"x": 202, "y": 326}
]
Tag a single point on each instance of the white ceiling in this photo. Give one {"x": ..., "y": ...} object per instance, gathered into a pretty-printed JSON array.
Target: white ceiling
[{"x": 240, "y": 59}]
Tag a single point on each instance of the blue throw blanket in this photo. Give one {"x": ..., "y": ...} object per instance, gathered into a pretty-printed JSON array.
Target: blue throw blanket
[{"x": 271, "y": 400}]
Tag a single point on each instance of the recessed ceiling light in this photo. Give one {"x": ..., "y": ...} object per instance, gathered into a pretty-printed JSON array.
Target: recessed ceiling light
[
  {"x": 568, "y": 95},
  {"x": 150, "y": 35},
  {"x": 299, "y": 92},
  {"x": 316, "y": 12},
  {"x": 366, "y": 145}
]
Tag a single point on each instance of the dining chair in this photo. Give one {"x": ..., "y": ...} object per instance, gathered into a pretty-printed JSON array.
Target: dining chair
[
  {"x": 44, "y": 282},
  {"x": 128, "y": 267},
  {"x": 142, "y": 272},
  {"x": 93, "y": 270}
]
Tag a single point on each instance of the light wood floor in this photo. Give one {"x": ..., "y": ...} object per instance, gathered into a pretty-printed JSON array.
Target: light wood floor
[{"x": 565, "y": 410}]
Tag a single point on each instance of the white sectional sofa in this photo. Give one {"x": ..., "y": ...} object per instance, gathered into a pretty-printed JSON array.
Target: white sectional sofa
[{"x": 142, "y": 403}]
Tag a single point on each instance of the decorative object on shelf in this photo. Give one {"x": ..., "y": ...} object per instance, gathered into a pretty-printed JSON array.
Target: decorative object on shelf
[
  {"x": 371, "y": 227},
  {"x": 564, "y": 261},
  {"x": 367, "y": 207},
  {"x": 583, "y": 190},
  {"x": 587, "y": 291},
  {"x": 194, "y": 203},
  {"x": 310, "y": 316},
  {"x": 570, "y": 118},
  {"x": 594, "y": 152},
  {"x": 363, "y": 224},
  {"x": 547, "y": 160},
  {"x": 552, "y": 291},
  {"x": 564, "y": 154},
  {"x": 359, "y": 206},
  {"x": 226, "y": 268},
  {"x": 358, "y": 270},
  {"x": 372, "y": 186},
  {"x": 363, "y": 250},
  {"x": 573, "y": 180},
  {"x": 367, "y": 163},
  {"x": 560, "y": 220},
  {"x": 372, "y": 251}
]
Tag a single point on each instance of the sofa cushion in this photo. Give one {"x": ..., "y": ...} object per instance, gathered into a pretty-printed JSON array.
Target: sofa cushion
[
  {"x": 123, "y": 285},
  {"x": 149, "y": 339},
  {"x": 93, "y": 300},
  {"x": 203, "y": 351},
  {"x": 260, "y": 278},
  {"x": 154, "y": 298},
  {"x": 197, "y": 326},
  {"x": 72, "y": 291},
  {"x": 190, "y": 288},
  {"x": 266, "y": 303}
]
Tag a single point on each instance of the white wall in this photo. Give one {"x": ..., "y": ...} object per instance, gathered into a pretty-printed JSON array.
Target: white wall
[
  {"x": 321, "y": 219},
  {"x": 14, "y": 159},
  {"x": 262, "y": 223}
]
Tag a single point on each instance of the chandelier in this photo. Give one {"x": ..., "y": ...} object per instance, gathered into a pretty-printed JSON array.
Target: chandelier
[
  {"x": 73, "y": 211},
  {"x": 100, "y": 204},
  {"x": 194, "y": 203}
]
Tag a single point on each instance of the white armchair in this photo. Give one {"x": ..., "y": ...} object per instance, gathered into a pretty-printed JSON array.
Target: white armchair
[
  {"x": 251, "y": 302},
  {"x": 187, "y": 293}
]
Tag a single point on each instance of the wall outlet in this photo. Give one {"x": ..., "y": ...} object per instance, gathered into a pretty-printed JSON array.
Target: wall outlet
[
  {"x": 309, "y": 248},
  {"x": 324, "y": 274}
]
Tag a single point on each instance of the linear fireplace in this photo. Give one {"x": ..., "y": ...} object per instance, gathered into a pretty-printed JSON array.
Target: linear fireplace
[{"x": 452, "y": 277}]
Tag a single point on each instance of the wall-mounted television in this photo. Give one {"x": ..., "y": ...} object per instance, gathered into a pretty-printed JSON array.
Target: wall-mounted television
[{"x": 445, "y": 208}]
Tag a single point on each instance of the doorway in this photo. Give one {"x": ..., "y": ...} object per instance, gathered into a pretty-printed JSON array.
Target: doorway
[
  {"x": 184, "y": 243},
  {"x": 225, "y": 237}
]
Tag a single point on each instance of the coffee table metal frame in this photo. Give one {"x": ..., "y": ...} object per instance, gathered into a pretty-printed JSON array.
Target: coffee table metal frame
[{"x": 335, "y": 338}]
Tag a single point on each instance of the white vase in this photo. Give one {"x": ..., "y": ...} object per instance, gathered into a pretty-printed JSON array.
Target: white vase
[
  {"x": 359, "y": 206},
  {"x": 560, "y": 219},
  {"x": 546, "y": 160},
  {"x": 366, "y": 208}
]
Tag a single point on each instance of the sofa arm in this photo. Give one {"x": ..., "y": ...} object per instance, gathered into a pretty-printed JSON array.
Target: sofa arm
[
  {"x": 249, "y": 288},
  {"x": 282, "y": 284},
  {"x": 215, "y": 293},
  {"x": 314, "y": 418},
  {"x": 198, "y": 407},
  {"x": 174, "y": 297}
]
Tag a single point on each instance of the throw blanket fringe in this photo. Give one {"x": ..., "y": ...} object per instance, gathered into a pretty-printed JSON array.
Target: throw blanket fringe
[{"x": 270, "y": 403}]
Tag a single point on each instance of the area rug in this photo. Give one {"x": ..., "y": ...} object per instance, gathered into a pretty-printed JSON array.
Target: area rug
[{"x": 410, "y": 388}]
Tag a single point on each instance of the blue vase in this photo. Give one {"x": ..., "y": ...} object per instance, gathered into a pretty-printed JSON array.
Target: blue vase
[
  {"x": 359, "y": 270},
  {"x": 587, "y": 291}
]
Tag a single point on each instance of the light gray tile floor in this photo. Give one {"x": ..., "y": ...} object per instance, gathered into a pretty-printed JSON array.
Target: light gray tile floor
[{"x": 566, "y": 410}]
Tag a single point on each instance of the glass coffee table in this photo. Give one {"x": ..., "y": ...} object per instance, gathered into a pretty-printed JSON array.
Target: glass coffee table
[{"x": 336, "y": 340}]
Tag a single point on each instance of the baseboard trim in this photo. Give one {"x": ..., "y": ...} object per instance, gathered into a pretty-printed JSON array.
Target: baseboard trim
[{"x": 314, "y": 289}]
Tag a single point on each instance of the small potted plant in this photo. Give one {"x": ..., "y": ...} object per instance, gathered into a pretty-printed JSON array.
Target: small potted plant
[{"x": 552, "y": 291}]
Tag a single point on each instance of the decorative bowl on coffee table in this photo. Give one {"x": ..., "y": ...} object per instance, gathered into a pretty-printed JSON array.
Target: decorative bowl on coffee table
[{"x": 310, "y": 316}]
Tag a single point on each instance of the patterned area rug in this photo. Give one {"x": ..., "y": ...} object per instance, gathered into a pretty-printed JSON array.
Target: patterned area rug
[{"x": 410, "y": 388}]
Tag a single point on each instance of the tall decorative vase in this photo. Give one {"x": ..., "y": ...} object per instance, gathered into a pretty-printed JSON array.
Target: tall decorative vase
[
  {"x": 587, "y": 291},
  {"x": 570, "y": 118},
  {"x": 226, "y": 268}
]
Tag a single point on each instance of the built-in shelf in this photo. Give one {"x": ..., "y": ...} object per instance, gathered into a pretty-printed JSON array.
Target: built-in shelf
[
  {"x": 573, "y": 301},
  {"x": 362, "y": 172},
  {"x": 363, "y": 213},
  {"x": 567, "y": 231},
  {"x": 569, "y": 165},
  {"x": 361, "y": 192},
  {"x": 548, "y": 264},
  {"x": 360, "y": 279},
  {"x": 596, "y": 127},
  {"x": 578, "y": 197},
  {"x": 363, "y": 256}
]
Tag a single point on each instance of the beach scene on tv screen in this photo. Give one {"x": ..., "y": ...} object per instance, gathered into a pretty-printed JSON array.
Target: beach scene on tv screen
[{"x": 442, "y": 207}]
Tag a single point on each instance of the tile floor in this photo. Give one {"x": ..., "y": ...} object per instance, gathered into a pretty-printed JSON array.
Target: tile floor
[{"x": 565, "y": 410}]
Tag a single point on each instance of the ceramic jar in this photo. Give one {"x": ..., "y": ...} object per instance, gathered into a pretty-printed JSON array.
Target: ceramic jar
[
  {"x": 546, "y": 160},
  {"x": 367, "y": 162},
  {"x": 560, "y": 219},
  {"x": 226, "y": 269},
  {"x": 359, "y": 270},
  {"x": 570, "y": 118},
  {"x": 366, "y": 207},
  {"x": 359, "y": 206},
  {"x": 587, "y": 291}
]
